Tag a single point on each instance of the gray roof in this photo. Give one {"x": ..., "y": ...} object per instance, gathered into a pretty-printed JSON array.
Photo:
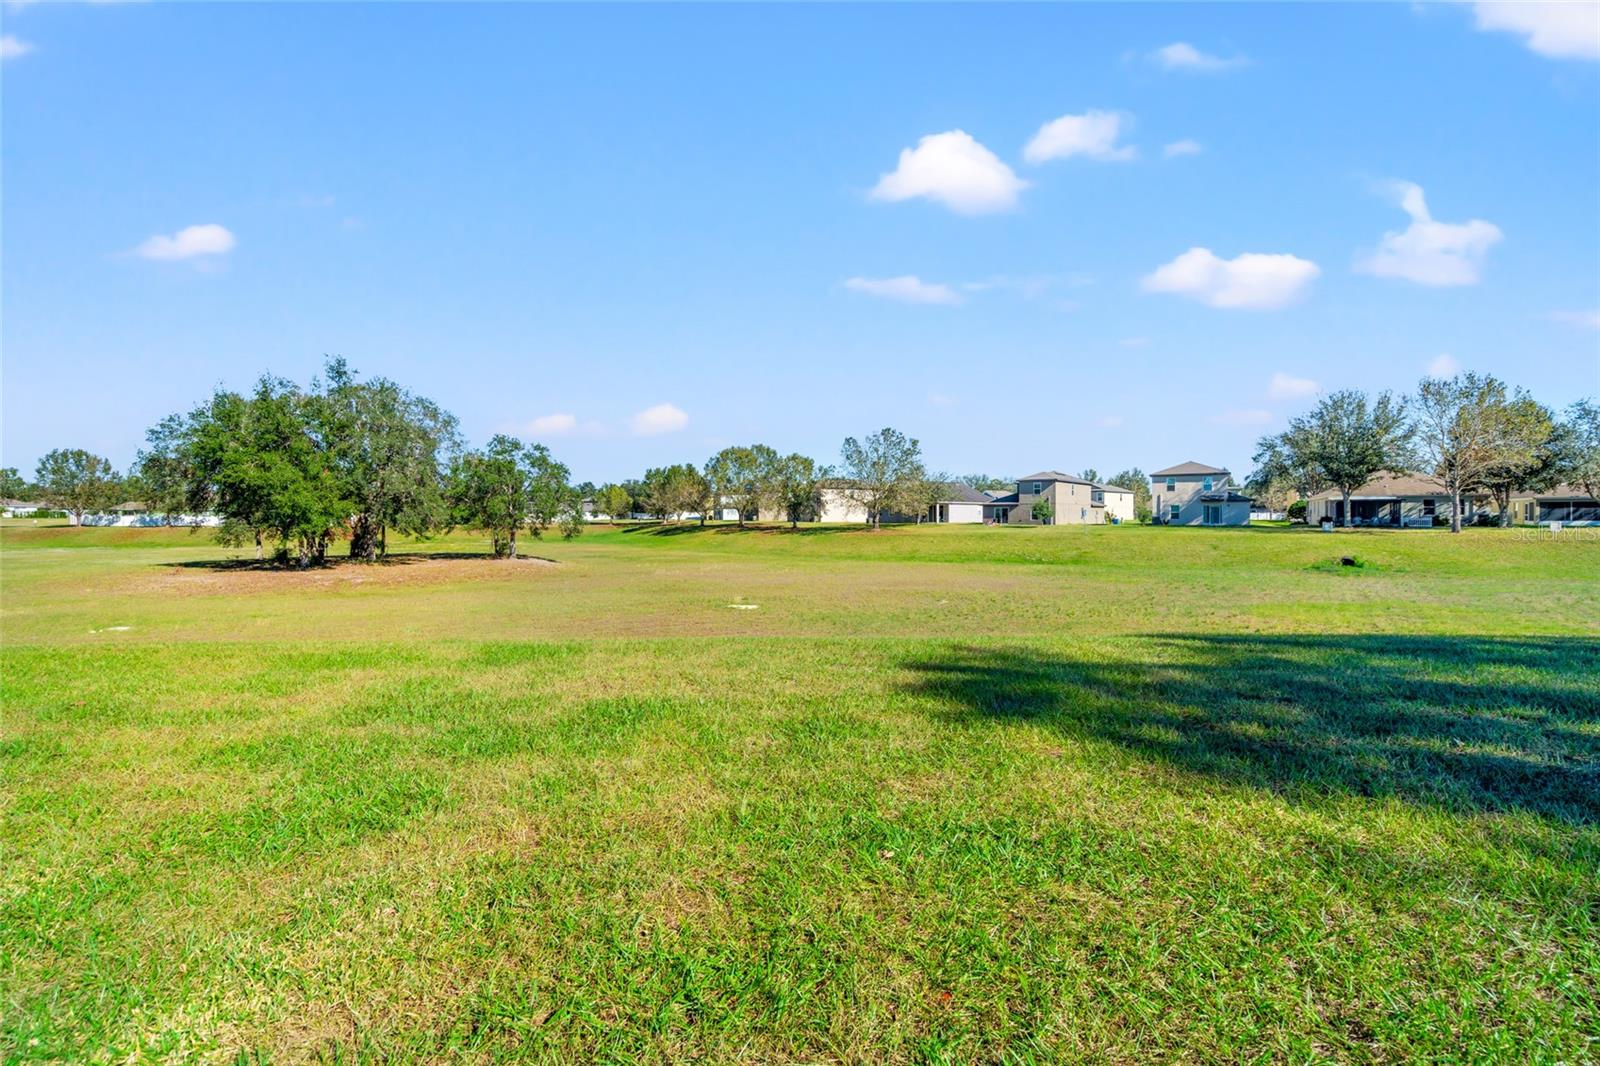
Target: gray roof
[
  {"x": 1226, "y": 496},
  {"x": 1009, "y": 497},
  {"x": 1056, "y": 475},
  {"x": 958, "y": 492},
  {"x": 1190, "y": 467}
]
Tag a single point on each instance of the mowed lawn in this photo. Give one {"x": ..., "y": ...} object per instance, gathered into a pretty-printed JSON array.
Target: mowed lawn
[{"x": 925, "y": 794}]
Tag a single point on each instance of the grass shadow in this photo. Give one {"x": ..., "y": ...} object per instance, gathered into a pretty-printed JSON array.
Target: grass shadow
[
  {"x": 1464, "y": 723},
  {"x": 401, "y": 558},
  {"x": 680, "y": 529}
]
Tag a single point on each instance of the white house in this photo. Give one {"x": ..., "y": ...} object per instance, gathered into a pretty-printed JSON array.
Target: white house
[{"x": 1194, "y": 494}]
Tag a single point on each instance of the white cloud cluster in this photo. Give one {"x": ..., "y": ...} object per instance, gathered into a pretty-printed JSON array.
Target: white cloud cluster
[
  {"x": 1250, "y": 281},
  {"x": 1586, "y": 319},
  {"x": 187, "y": 243},
  {"x": 953, "y": 169},
  {"x": 1288, "y": 387},
  {"x": 1183, "y": 147},
  {"x": 1561, "y": 29},
  {"x": 12, "y": 46},
  {"x": 907, "y": 288},
  {"x": 1429, "y": 252},
  {"x": 1444, "y": 365},
  {"x": 1093, "y": 134},
  {"x": 662, "y": 418},
  {"x": 1183, "y": 56},
  {"x": 552, "y": 425}
]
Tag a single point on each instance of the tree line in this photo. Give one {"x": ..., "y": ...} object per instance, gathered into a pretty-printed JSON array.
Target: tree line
[
  {"x": 301, "y": 468},
  {"x": 1471, "y": 432}
]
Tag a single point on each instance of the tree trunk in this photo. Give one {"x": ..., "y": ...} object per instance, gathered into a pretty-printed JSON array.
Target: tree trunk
[
  {"x": 1502, "y": 498},
  {"x": 1455, "y": 510},
  {"x": 512, "y": 548},
  {"x": 383, "y": 541},
  {"x": 258, "y": 546},
  {"x": 1346, "y": 494}
]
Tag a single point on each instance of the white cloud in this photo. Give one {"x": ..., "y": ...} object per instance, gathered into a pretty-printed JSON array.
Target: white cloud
[
  {"x": 1444, "y": 365},
  {"x": 907, "y": 288},
  {"x": 1183, "y": 147},
  {"x": 1180, "y": 55},
  {"x": 662, "y": 418},
  {"x": 1429, "y": 252},
  {"x": 1249, "y": 281},
  {"x": 12, "y": 46},
  {"x": 1093, "y": 134},
  {"x": 1287, "y": 387},
  {"x": 209, "y": 239},
  {"x": 939, "y": 399},
  {"x": 952, "y": 169},
  {"x": 1561, "y": 30},
  {"x": 1135, "y": 342},
  {"x": 1111, "y": 422},
  {"x": 552, "y": 425},
  {"x": 1586, "y": 319},
  {"x": 1251, "y": 417}
]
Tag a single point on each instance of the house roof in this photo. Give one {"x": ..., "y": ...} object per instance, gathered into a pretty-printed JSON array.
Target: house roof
[
  {"x": 1009, "y": 497},
  {"x": 1190, "y": 467},
  {"x": 1560, "y": 492},
  {"x": 1056, "y": 475},
  {"x": 1225, "y": 496},
  {"x": 957, "y": 492},
  {"x": 1112, "y": 488},
  {"x": 131, "y": 505},
  {"x": 1387, "y": 484}
]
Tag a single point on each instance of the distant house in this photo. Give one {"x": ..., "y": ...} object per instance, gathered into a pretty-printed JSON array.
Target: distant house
[
  {"x": 17, "y": 508},
  {"x": 1073, "y": 501},
  {"x": 1391, "y": 499},
  {"x": 957, "y": 503},
  {"x": 1194, "y": 494},
  {"x": 1567, "y": 504}
]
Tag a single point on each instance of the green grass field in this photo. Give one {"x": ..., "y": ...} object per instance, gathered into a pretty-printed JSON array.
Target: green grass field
[{"x": 931, "y": 794}]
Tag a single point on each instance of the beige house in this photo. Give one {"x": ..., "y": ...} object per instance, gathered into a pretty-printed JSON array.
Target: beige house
[
  {"x": 1194, "y": 494},
  {"x": 1391, "y": 499},
  {"x": 1073, "y": 501},
  {"x": 1567, "y": 504}
]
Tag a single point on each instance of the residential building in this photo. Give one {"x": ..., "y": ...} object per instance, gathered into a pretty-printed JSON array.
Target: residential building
[
  {"x": 1073, "y": 501},
  {"x": 1567, "y": 504},
  {"x": 1194, "y": 494},
  {"x": 1393, "y": 499}
]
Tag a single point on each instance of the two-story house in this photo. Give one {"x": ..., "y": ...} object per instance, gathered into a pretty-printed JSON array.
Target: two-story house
[
  {"x": 1073, "y": 501},
  {"x": 1194, "y": 494}
]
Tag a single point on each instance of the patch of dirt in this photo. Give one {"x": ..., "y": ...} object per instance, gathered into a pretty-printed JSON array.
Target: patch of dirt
[{"x": 397, "y": 571}]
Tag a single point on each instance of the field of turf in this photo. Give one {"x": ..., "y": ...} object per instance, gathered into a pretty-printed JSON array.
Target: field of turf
[{"x": 927, "y": 794}]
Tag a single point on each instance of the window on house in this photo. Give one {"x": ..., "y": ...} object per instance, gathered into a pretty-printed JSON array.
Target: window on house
[
  {"x": 1173, "y": 513},
  {"x": 1172, "y": 483},
  {"x": 1206, "y": 487},
  {"x": 1037, "y": 487},
  {"x": 1527, "y": 511},
  {"x": 1427, "y": 508},
  {"x": 1211, "y": 515}
]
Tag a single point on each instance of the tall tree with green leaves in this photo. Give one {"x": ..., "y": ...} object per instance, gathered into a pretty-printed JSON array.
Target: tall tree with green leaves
[
  {"x": 797, "y": 483},
  {"x": 1342, "y": 442},
  {"x": 12, "y": 485},
  {"x": 392, "y": 452},
  {"x": 1137, "y": 482},
  {"x": 1091, "y": 474},
  {"x": 1531, "y": 455},
  {"x": 883, "y": 472},
  {"x": 279, "y": 475},
  {"x": 745, "y": 476},
  {"x": 981, "y": 482},
  {"x": 673, "y": 491},
  {"x": 1581, "y": 447},
  {"x": 76, "y": 482},
  {"x": 614, "y": 501},
  {"x": 1468, "y": 427},
  {"x": 506, "y": 487}
]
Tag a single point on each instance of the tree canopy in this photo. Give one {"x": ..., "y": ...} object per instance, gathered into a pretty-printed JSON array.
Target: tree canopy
[{"x": 883, "y": 472}]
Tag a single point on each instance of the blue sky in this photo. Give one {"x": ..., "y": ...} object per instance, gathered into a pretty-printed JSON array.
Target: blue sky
[{"x": 641, "y": 233}]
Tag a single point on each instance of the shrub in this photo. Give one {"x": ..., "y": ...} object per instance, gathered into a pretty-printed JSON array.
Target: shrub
[{"x": 1297, "y": 511}]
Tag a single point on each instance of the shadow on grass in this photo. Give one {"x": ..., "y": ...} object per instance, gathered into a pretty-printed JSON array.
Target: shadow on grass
[
  {"x": 681, "y": 529},
  {"x": 1463, "y": 723},
  {"x": 403, "y": 558}
]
